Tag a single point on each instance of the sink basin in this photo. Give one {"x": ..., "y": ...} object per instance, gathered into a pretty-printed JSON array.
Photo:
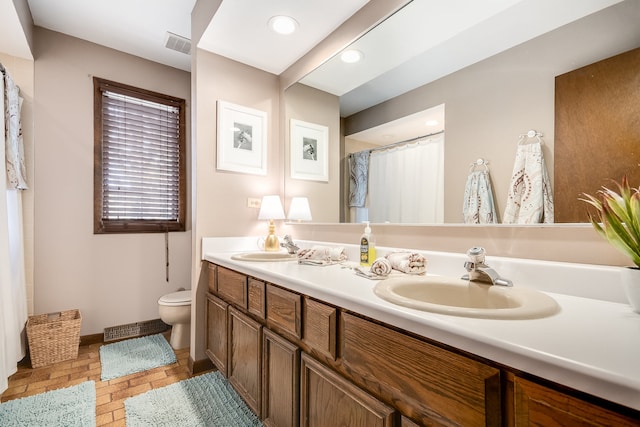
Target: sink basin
[
  {"x": 459, "y": 297},
  {"x": 265, "y": 256}
]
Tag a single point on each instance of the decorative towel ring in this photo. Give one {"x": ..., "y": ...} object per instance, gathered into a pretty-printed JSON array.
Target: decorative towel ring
[
  {"x": 531, "y": 134},
  {"x": 478, "y": 163}
]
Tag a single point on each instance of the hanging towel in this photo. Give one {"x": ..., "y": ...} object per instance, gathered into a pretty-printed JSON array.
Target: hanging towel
[
  {"x": 479, "y": 206},
  {"x": 358, "y": 177},
  {"x": 530, "y": 198},
  {"x": 14, "y": 150}
]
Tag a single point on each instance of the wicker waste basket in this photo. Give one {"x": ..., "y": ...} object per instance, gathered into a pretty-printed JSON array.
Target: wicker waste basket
[{"x": 53, "y": 337}]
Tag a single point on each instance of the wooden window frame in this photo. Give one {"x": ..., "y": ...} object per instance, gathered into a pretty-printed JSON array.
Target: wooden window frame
[{"x": 107, "y": 226}]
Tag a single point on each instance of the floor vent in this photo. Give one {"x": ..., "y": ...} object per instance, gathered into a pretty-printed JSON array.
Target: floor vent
[{"x": 132, "y": 330}]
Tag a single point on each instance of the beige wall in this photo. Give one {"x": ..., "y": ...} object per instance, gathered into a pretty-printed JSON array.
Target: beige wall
[
  {"x": 489, "y": 104},
  {"x": 22, "y": 70},
  {"x": 112, "y": 279},
  {"x": 314, "y": 106},
  {"x": 221, "y": 196}
]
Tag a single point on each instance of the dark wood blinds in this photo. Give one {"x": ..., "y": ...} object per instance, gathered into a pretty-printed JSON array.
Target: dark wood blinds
[{"x": 139, "y": 168}]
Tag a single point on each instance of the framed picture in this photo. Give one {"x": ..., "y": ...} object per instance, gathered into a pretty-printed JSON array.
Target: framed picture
[
  {"x": 309, "y": 150},
  {"x": 242, "y": 139}
]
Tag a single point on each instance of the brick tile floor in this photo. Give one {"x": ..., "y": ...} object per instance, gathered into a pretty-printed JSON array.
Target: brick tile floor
[{"x": 110, "y": 395}]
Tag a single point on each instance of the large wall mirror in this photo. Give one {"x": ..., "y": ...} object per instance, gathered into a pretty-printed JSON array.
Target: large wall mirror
[{"x": 490, "y": 71}]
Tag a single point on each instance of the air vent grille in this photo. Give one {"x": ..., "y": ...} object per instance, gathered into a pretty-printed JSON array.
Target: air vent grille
[
  {"x": 177, "y": 43},
  {"x": 137, "y": 329}
]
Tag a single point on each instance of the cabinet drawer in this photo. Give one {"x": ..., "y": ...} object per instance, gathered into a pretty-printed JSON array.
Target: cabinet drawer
[
  {"x": 256, "y": 297},
  {"x": 232, "y": 286},
  {"x": 283, "y": 309},
  {"x": 319, "y": 327},
  {"x": 539, "y": 405},
  {"x": 211, "y": 271},
  {"x": 327, "y": 399},
  {"x": 430, "y": 384}
]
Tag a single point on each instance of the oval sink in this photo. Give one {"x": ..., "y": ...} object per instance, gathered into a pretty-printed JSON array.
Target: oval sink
[
  {"x": 265, "y": 256},
  {"x": 459, "y": 297}
]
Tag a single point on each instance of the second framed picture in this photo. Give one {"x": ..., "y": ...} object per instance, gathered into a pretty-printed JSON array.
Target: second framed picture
[
  {"x": 242, "y": 139},
  {"x": 309, "y": 148}
]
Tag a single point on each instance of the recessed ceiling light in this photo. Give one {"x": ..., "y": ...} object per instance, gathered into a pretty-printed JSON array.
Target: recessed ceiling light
[
  {"x": 431, "y": 123},
  {"x": 350, "y": 56},
  {"x": 283, "y": 24}
]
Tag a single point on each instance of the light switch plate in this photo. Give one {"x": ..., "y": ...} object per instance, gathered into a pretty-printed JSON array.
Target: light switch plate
[{"x": 253, "y": 202}]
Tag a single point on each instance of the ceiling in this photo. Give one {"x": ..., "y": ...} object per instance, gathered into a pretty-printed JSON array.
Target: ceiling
[
  {"x": 238, "y": 31},
  {"x": 452, "y": 34}
]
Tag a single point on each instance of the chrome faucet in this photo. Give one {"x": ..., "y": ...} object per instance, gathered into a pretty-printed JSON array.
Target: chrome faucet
[
  {"x": 481, "y": 272},
  {"x": 291, "y": 247}
]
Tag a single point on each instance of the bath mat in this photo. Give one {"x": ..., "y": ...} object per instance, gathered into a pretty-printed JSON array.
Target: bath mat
[
  {"x": 71, "y": 406},
  {"x": 135, "y": 355},
  {"x": 205, "y": 400}
]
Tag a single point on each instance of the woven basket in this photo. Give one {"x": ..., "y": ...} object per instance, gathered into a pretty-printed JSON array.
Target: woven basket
[{"x": 53, "y": 337}]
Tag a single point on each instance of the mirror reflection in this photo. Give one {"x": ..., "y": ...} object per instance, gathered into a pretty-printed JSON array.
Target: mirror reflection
[{"x": 494, "y": 79}]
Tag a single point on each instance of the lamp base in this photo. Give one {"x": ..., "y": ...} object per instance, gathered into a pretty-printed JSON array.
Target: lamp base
[{"x": 271, "y": 243}]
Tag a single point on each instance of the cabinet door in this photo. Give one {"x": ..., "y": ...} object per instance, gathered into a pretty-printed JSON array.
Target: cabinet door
[
  {"x": 280, "y": 381},
  {"x": 328, "y": 400},
  {"x": 536, "y": 405},
  {"x": 216, "y": 336},
  {"x": 245, "y": 351}
]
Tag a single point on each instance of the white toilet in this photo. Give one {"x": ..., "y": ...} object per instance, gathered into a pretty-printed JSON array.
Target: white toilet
[{"x": 175, "y": 310}]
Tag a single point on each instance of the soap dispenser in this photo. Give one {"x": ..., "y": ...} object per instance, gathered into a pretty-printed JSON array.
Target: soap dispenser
[{"x": 367, "y": 247}]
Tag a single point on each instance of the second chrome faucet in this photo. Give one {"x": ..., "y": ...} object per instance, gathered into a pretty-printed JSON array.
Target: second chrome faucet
[{"x": 478, "y": 271}]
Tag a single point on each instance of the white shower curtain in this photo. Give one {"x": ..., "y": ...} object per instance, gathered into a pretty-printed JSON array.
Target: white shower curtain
[
  {"x": 13, "y": 301},
  {"x": 406, "y": 184}
]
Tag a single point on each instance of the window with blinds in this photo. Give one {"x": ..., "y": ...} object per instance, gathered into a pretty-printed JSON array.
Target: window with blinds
[{"x": 139, "y": 171}]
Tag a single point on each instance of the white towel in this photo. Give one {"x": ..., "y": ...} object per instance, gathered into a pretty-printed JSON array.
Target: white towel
[
  {"x": 479, "y": 206},
  {"x": 408, "y": 262},
  {"x": 530, "y": 198},
  {"x": 322, "y": 255}
]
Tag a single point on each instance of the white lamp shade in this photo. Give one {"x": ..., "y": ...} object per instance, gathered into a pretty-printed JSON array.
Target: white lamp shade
[
  {"x": 271, "y": 208},
  {"x": 299, "y": 209}
]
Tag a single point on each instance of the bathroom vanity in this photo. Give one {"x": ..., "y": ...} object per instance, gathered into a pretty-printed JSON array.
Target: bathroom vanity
[{"x": 313, "y": 346}]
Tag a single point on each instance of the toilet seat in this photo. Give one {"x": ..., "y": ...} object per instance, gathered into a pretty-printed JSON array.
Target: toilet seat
[{"x": 176, "y": 299}]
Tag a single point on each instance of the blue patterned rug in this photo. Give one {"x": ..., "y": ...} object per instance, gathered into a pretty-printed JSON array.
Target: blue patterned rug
[
  {"x": 205, "y": 400},
  {"x": 70, "y": 407},
  {"x": 135, "y": 355}
]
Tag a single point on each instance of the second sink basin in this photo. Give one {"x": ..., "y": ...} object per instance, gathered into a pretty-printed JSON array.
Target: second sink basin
[
  {"x": 264, "y": 256},
  {"x": 459, "y": 297}
]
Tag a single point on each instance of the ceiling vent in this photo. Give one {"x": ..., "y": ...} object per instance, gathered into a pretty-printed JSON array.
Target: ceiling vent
[{"x": 178, "y": 43}]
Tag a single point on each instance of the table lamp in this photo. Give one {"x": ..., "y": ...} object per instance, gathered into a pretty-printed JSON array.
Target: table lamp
[{"x": 299, "y": 209}]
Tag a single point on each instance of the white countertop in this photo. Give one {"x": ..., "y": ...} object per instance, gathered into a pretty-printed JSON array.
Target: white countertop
[{"x": 592, "y": 344}]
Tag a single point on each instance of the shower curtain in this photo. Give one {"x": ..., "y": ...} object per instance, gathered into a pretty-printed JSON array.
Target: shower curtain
[
  {"x": 406, "y": 184},
  {"x": 13, "y": 301}
]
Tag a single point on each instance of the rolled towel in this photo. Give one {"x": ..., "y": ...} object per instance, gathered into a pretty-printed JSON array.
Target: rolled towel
[
  {"x": 325, "y": 254},
  {"x": 381, "y": 267},
  {"x": 408, "y": 262}
]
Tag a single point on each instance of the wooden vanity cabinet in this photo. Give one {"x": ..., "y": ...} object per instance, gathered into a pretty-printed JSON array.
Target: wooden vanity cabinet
[
  {"x": 297, "y": 361},
  {"x": 217, "y": 332},
  {"x": 327, "y": 399},
  {"x": 537, "y": 405}
]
